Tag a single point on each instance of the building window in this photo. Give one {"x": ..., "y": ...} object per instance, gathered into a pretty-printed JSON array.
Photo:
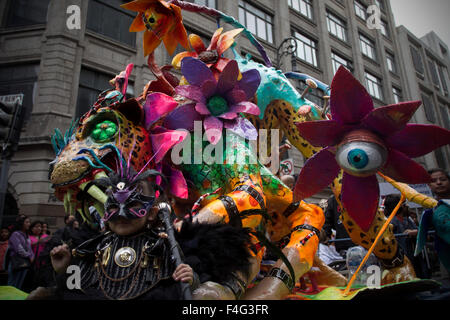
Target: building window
[
  {"x": 434, "y": 73},
  {"x": 374, "y": 86},
  {"x": 445, "y": 116},
  {"x": 336, "y": 26},
  {"x": 109, "y": 19},
  {"x": 390, "y": 59},
  {"x": 26, "y": 13},
  {"x": 360, "y": 10},
  {"x": 208, "y": 3},
  {"x": 397, "y": 95},
  {"x": 429, "y": 108},
  {"x": 367, "y": 47},
  {"x": 16, "y": 79},
  {"x": 385, "y": 29},
  {"x": 256, "y": 21},
  {"x": 306, "y": 49},
  {"x": 417, "y": 60},
  {"x": 338, "y": 61},
  {"x": 92, "y": 83},
  {"x": 442, "y": 72},
  {"x": 304, "y": 7}
]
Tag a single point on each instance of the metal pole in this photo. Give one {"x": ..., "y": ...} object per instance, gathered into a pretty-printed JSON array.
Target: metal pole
[
  {"x": 164, "y": 214},
  {"x": 3, "y": 185}
]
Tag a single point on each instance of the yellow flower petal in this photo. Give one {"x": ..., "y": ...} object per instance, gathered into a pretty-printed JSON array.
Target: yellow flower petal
[
  {"x": 176, "y": 61},
  {"x": 197, "y": 43}
]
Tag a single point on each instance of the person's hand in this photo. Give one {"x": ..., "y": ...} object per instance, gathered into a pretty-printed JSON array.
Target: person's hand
[
  {"x": 61, "y": 257},
  {"x": 284, "y": 147},
  {"x": 184, "y": 273},
  {"x": 411, "y": 233}
]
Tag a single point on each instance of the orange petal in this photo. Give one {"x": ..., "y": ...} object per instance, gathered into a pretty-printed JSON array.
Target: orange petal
[
  {"x": 138, "y": 24},
  {"x": 214, "y": 39},
  {"x": 181, "y": 36},
  {"x": 226, "y": 40},
  {"x": 151, "y": 42},
  {"x": 197, "y": 43},
  {"x": 176, "y": 61},
  {"x": 165, "y": 4},
  {"x": 138, "y": 5},
  {"x": 170, "y": 42}
]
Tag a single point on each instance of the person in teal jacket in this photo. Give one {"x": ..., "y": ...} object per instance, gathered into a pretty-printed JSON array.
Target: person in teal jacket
[{"x": 438, "y": 217}]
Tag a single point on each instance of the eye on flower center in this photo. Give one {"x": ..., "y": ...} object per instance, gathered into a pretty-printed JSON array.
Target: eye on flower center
[
  {"x": 217, "y": 105},
  {"x": 358, "y": 158}
]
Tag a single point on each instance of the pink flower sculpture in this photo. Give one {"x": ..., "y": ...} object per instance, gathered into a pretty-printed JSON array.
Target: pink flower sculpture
[
  {"x": 158, "y": 105},
  {"x": 362, "y": 140},
  {"x": 219, "y": 102}
]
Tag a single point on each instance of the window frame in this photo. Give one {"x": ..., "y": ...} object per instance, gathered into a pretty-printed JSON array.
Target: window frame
[
  {"x": 268, "y": 19},
  {"x": 430, "y": 114},
  {"x": 308, "y": 5},
  {"x": 385, "y": 30},
  {"x": 206, "y": 3},
  {"x": 369, "y": 43},
  {"x": 398, "y": 94},
  {"x": 314, "y": 48},
  {"x": 11, "y": 5},
  {"x": 334, "y": 62},
  {"x": 337, "y": 22},
  {"x": 359, "y": 7},
  {"x": 390, "y": 60},
  {"x": 105, "y": 4},
  {"x": 413, "y": 49},
  {"x": 373, "y": 81}
]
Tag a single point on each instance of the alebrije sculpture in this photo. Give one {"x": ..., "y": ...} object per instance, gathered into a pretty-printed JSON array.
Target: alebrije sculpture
[
  {"x": 219, "y": 102},
  {"x": 362, "y": 140},
  {"x": 211, "y": 55},
  {"x": 161, "y": 21}
]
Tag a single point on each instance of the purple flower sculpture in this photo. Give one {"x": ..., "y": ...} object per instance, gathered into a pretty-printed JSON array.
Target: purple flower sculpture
[
  {"x": 361, "y": 141},
  {"x": 218, "y": 102}
]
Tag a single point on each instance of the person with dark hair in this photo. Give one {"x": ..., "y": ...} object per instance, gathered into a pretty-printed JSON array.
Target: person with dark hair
[
  {"x": 440, "y": 183},
  {"x": 437, "y": 218},
  {"x": 333, "y": 221},
  {"x": 38, "y": 241},
  {"x": 404, "y": 224},
  {"x": 20, "y": 255},
  {"x": 45, "y": 229}
]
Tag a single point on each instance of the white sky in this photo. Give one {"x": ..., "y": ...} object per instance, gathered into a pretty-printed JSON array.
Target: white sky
[{"x": 423, "y": 16}]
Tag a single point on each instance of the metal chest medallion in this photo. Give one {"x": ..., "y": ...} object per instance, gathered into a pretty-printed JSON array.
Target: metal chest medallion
[{"x": 125, "y": 257}]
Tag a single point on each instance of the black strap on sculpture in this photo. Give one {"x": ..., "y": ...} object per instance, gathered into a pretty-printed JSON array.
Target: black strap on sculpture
[
  {"x": 232, "y": 211},
  {"x": 283, "y": 276},
  {"x": 307, "y": 227},
  {"x": 253, "y": 193},
  {"x": 291, "y": 209}
]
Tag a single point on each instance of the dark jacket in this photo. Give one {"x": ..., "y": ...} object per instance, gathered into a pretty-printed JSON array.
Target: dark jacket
[{"x": 332, "y": 221}]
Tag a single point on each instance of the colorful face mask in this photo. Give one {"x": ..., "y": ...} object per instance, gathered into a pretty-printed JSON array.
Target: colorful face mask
[{"x": 126, "y": 203}]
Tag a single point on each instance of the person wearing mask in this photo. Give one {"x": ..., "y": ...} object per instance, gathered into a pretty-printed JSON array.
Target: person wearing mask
[{"x": 20, "y": 254}]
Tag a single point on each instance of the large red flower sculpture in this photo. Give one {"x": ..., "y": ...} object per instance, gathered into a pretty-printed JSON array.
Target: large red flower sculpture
[{"x": 362, "y": 140}]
